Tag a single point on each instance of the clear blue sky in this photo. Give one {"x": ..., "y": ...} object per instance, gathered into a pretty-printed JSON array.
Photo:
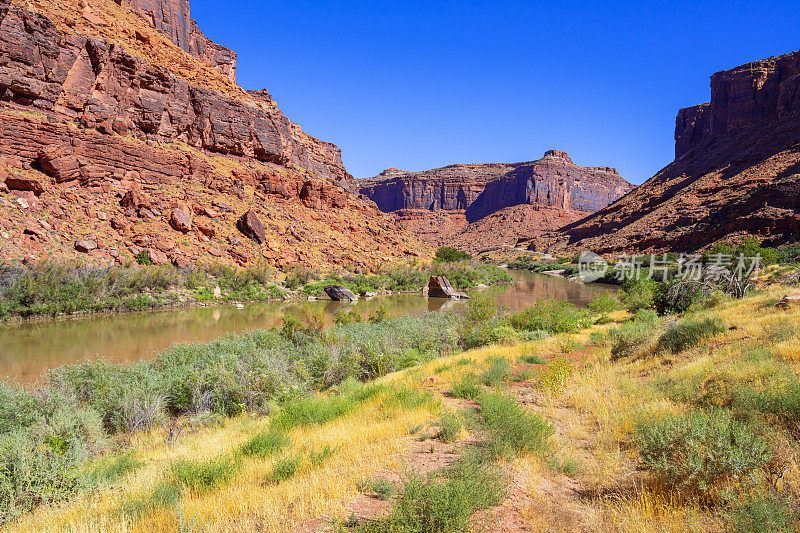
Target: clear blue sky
[{"x": 422, "y": 84}]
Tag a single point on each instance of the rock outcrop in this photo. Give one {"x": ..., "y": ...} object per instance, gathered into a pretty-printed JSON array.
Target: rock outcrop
[
  {"x": 104, "y": 86},
  {"x": 117, "y": 128},
  {"x": 736, "y": 173},
  {"x": 478, "y": 206},
  {"x": 742, "y": 97},
  {"x": 553, "y": 181},
  {"x": 173, "y": 17}
]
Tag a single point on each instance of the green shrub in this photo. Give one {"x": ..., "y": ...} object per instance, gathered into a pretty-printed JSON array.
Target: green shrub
[
  {"x": 44, "y": 440},
  {"x": 604, "y": 303},
  {"x": 283, "y": 469},
  {"x": 553, "y": 316},
  {"x": 695, "y": 451},
  {"x": 466, "y": 387},
  {"x": 766, "y": 513},
  {"x": 451, "y": 255},
  {"x": 265, "y": 443},
  {"x": 676, "y": 296},
  {"x": 112, "y": 469},
  {"x": 639, "y": 293},
  {"x": 481, "y": 309},
  {"x": 631, "y": 337},
  {"x": 781, "y": 398},
  {"x": 689, "y": 333},
  {"x": 444, "y": 503},
  {"x": 533, "y": 359},
  {"x": 204, "y": 476},
  {"x": 789, "y": 254},
  {"x": 163, "y": 495},
  {"x": 513, "y": 429},
  {"x": 449, "y": 427},
  {"x": 376, "y": 488},
  {"x": 499, "y": 370}
]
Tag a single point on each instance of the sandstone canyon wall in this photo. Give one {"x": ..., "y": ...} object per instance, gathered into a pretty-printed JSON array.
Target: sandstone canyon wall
[
  {"x": 173, "y": 17},
  {"x": 736, "y": 172},
  {"x": 476, "y": 206},
  {"x": 116, "y": 121}
]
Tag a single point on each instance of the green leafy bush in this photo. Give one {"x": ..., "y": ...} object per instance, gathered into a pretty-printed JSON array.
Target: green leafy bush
[
  {"x": 466, "y": 387},
  {"x": 44, "y": 439},
  {"x": 444, "y": 503},
  {"x": 283, "y": 469},
  {"x": 451, "y": 255},
  {"x": 631, "y": 337},
  {"x": 449, "y": 427},
  {"x": 265, "y": 443},
  {"x": 639, "y": 293},
  {"x": 689, "y": 333},
  {"x": 604, "y": 303},
  {"x": 204, "y": 476},
  {"x": 766, "y": 513},
  {"x": 499, "y": 370},
  {"x": 695, "y": 451},
  {"x": 553, "y": 316},
  {"x": 513, "y": 429}
]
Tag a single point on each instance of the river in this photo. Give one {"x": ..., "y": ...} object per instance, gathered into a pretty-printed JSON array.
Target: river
[{"x": 29, "y": 349}]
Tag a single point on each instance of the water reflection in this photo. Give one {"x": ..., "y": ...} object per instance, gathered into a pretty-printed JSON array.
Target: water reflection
[{"x": 28, "y": 350}]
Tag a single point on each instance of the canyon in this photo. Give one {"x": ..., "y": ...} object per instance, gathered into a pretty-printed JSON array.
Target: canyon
[
  {"x": 123, "y": 135},
  {"x": 481, "y": 206},
  {"x": 736, "y": 173}
]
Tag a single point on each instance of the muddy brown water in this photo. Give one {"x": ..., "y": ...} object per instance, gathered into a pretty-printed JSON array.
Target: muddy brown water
[{"x": 29, "y": 349}]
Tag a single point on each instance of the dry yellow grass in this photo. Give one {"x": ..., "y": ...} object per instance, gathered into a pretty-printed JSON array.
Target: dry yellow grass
[
  {"x": 594, "y": 414},
  {"x": 368, "y": 440}
]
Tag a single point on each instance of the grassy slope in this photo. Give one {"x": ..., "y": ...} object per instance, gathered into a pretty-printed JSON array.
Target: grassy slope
[{"x": 590, "y": 480}]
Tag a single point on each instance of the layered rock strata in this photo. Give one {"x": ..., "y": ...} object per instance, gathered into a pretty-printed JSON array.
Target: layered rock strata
[
  {"x": 479, "y": 206},
  {"x": 115, "y": 130},
  {"x": 736, "y": 173}
]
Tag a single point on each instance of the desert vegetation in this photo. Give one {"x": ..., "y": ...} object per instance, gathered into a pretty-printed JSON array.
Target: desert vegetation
[
  {"x": 615, "y": 417},
  {"x": 50, "y": 289}
]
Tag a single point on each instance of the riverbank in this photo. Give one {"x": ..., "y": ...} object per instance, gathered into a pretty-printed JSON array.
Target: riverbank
[
  {"x": 51, "y": 430},
  {"x": 576, "y": 430},
  {"x": 52, "y": 289}
]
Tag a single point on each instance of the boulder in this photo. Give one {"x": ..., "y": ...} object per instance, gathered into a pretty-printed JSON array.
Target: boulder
[
  {"x": 182, "y": 262},
  {"x": 250, "y": 225},
  {"x": 206, "y": 227},
  {"x": 180, "y": 220},
  {"x": 439, "y": 287},
  {"x": 131, "y": 199},
  {"x": 157, "y": 256},
  {"x": 338, "y": 293},
  {"x": 59, "y": 162},
  {"x": 16, "y": 182},
  {"x": 790, "y": 300},
  {"x": 85, "y": 246}
]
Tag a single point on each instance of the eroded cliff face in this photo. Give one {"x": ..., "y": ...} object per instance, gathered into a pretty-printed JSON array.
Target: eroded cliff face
[
  {"x": 111, "y": 131},
  {"x": 553, "y": 181},
  {"x": 173, "y": 17},
  {"x": 742, "y": 97},
  {"x": 482, "y": 189},
  {"x": 736, "y": 173},
  {"x": 483, "y": 205}
]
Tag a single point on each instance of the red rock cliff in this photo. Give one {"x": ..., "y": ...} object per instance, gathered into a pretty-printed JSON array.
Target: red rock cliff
[
  {"x": 115, "y": 140},
  {"x": 173, "y": 17},
  {"x": 482, "y": 189},
  {"x": 736, "y": 173},
  {"x": 741, "y": 97}
]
